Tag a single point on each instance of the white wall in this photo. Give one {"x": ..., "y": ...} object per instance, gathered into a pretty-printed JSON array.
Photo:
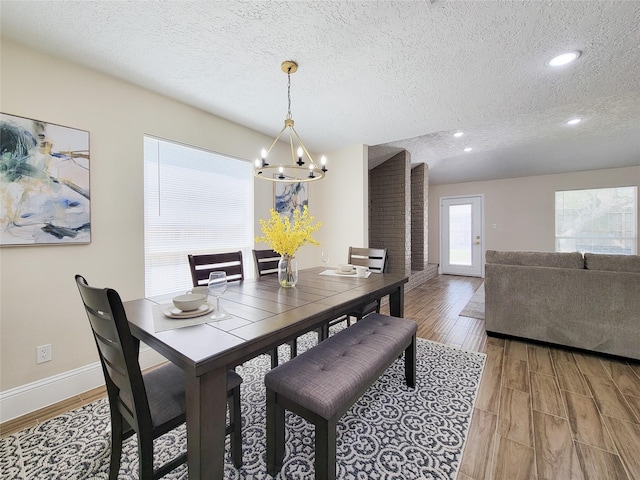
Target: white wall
[
  {"x": 39, "y": 302},
  {"x": 344, "y": 204},
  {"x": 523, "y": 209}
]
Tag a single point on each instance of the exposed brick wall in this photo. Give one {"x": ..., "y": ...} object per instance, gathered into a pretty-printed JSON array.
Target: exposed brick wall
[
  {"x": 417, "y": 278},
  {"x": 419, "y": 213},
  {"x": 390, "y": 211}
]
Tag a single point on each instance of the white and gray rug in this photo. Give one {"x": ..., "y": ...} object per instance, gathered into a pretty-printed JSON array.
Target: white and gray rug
[
  {"x": 392, "y": 432},
  {"x": 475, "y": 307}
]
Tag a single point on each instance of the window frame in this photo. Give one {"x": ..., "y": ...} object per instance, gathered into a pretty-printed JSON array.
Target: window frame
[
  {"x": 625, "y": 223},
  {"x": 214, "y": 215}
]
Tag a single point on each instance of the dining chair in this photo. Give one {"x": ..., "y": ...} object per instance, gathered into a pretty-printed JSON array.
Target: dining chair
[
  {"x": 376, "y": 260},
  {"x": 202, "y": 265},
  {"x": 147, "y": 404},
  {"x": 266, "y": 261}
]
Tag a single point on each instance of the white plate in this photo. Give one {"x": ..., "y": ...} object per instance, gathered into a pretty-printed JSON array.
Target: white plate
[
  {"x": 173, "y": 312},
  {"x": 352, "y": 272}
]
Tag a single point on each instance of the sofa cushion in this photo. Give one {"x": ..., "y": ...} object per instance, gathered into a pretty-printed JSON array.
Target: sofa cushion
[
  {"x": 612, "y": 263},
  {"x": 537, "y": 259}
]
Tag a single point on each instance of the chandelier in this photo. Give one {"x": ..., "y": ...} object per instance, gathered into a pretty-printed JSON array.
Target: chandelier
[{"x": 297, "y": 169}]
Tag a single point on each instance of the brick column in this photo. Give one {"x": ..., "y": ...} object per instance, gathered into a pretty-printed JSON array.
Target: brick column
[{"x": 390, "y": 211}]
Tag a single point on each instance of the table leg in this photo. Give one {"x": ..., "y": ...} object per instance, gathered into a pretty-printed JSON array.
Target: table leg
[
  {"x": 206, "y": 398},
  {"x": 396, "y": 302}
]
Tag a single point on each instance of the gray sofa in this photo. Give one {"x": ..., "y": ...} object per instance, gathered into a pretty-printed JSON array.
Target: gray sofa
[{"x": 590, "y": 302}]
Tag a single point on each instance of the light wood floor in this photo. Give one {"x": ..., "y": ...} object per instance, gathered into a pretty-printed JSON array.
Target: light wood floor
[{"x": 541, "y": 412}]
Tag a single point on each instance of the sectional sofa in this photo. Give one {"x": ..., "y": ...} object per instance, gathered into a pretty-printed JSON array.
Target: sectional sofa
[{"x": 588, "y": 301}]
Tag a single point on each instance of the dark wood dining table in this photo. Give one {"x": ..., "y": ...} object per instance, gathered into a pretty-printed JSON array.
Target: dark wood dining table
[{"x": 263, "y": 316}]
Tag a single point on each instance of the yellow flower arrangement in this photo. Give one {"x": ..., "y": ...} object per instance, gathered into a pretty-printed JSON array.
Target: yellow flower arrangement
[{"x": 286, "y": 237}]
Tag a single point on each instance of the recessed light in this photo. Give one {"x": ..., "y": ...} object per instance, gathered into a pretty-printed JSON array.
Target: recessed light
[
  {"x": 458, "y": 134},
  {"x": 468, "y": 149},
  {"x": 564, "y": 58},
  {"x": 574, "y": 121}
]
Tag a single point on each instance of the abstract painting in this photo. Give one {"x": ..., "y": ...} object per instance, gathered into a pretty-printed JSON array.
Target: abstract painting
[
  {"x": 290, "y": 197},
  {"x": 44, "y": 183}
]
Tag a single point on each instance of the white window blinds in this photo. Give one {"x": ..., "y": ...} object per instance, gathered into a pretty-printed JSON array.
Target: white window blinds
[{"x": 195, "y": 201}]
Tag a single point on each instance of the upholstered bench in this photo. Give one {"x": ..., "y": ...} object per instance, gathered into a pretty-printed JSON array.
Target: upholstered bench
[{"x": 322, "y": 383}]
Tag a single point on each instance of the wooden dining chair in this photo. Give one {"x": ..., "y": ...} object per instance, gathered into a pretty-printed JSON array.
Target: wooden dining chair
[
  {"x": 266, "y": 262},
  {"x": 146, "y": 404},
  {"x": 376, "y": 260},
  {"x": 202, "y": 265}
]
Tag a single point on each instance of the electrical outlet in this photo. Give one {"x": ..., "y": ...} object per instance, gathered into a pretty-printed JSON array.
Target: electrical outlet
[{"x": 43, "y": 353}]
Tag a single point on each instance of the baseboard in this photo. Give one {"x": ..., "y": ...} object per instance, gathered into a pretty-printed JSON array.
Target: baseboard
[{"x": 28, "y": 398}]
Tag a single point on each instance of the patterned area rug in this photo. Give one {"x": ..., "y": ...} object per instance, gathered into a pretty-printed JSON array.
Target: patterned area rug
[
  {"x": 392, "y": 432},
  {"x": 475, "y": 307}
]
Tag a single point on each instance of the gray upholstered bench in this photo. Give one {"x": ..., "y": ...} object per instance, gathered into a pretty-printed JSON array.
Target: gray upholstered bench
[{"x": 321, "y": 384}]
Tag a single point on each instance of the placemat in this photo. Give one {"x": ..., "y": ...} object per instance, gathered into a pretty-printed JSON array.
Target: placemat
[
  {"x": 162, "y": 323},
  {"x": 333, "y": 273}
]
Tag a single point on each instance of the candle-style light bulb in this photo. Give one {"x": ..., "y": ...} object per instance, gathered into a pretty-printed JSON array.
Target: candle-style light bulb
[
  {"x": 300, "y": 162},
  {"x": 263, "y": 154},
  {"x": 323, "y": 162},
  {"x": 281, "y": 170},
  {"x": 258, "y": 163}
]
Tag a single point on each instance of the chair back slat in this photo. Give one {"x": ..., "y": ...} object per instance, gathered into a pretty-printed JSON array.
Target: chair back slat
[
  {"x": 118, "y": 352},
  {"x": 266, "y": 262},
  {"x": 202, "y": 265},
  {"x": 374, "y": 258}
]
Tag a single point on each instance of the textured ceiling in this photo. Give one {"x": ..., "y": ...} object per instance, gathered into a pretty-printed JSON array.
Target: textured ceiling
[{"x": 390, "y": 74}]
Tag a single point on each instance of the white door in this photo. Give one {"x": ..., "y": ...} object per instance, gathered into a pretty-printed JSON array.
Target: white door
[{"x": 461, "y": 236}]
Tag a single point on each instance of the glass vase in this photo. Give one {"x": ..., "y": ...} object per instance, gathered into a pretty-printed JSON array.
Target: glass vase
[{"x": 288, "y": 271}]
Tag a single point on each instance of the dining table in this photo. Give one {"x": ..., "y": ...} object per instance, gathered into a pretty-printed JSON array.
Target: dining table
[{"x": 261, "y": 316}]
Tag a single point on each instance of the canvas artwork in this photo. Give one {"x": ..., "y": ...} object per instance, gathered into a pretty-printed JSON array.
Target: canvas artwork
[
  {"x": 44, "y": 183},
  {"x": 290, "y": 197}
]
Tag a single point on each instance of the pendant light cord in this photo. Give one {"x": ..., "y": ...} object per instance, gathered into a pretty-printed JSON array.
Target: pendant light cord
[{"x": 289, "y": 91}]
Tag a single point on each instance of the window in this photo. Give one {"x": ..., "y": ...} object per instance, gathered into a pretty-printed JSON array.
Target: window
[
  {"x": 195, "y": 201},
  {"x": 598, "y": 220}
]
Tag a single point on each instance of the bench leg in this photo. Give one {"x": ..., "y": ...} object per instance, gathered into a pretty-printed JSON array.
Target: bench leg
[
  {"x": 275, "y": 434},
  {"x": 410, "y": 363},
  {"x": 274, "y": 358},
  {"x": 326, "y": 450}
]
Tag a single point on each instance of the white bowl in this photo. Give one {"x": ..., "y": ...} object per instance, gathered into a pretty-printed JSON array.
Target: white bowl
[
  {"x": 200, "y": 290},
  {"x": 189, "y": 302},
  {"x": 346, "y": 268}
]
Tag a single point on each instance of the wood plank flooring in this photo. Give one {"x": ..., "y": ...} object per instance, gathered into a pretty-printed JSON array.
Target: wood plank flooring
[{"x": 542, "y": 413}]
